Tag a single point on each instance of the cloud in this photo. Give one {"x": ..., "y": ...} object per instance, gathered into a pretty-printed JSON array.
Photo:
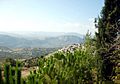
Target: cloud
[{"x": 15, "y": 24}]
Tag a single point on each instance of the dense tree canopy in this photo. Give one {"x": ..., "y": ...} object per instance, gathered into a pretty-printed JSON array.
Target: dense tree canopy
[{"x": 108, "y": 29}]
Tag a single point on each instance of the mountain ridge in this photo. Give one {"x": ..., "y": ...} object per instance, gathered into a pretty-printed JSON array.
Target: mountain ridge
[{"x": 48, "y": 42}]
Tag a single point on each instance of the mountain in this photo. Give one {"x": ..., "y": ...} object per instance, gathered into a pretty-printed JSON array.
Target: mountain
[
  {"x": 38, "y": 35},
  {"x": 62, "y": 41},
  {"x": 49, "y": 41}
]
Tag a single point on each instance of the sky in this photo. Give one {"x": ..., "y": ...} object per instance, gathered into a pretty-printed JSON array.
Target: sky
[{"x": 49, "y": 15}]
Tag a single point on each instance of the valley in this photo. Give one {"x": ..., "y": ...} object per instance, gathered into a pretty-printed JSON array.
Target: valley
[{"x": 28, "y": 45}]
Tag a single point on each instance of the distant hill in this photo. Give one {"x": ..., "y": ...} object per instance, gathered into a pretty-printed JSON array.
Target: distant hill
[
  {"x": 61, "y": 40},
  {"x": 3, "y": 48},
  {"x": 38, "y": 35}
]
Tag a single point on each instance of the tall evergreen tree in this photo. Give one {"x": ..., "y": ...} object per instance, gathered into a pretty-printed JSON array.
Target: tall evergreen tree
[{"x": 107, "y": 35}]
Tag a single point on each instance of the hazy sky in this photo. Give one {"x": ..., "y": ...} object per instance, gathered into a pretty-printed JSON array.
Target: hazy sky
[{"x": 49, "y": 15}]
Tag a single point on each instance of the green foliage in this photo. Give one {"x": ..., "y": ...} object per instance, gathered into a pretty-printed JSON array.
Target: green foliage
[
  {"x": 23, "y": 81},
  {"x": 1, "y": 81},
  {"x": 78, "y": 67},
  {"x": 107, "y": 37},
  {"x": 73, "y": 68},
  {"x": 18, "y": 73},
  {"x": 94, "y": 61},
  {"x": 12, "y": 74},
  {"x": 11, "y": 61},
  {"x": 7, "y": 73}
]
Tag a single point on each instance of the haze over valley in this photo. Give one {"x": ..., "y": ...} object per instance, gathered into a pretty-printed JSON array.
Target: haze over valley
[
  {"x": 33, "y": 44},
  {"x": 39, "y": 39}
]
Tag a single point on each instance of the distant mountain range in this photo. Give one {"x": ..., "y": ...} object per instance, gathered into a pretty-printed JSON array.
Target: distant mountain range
[{"x": 39, "y": 39}]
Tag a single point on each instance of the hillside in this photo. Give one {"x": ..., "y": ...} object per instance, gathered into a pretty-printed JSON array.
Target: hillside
[
  {"x": 24, "y": 53},
  {"x": 48, "y": 42}
]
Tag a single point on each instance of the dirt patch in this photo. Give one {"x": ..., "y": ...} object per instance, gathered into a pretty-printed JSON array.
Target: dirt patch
[{"x": 26, "y": 71}]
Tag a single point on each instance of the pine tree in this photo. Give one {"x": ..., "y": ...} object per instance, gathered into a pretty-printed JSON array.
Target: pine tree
[
  {"x": 18, "y": 73},
  {"x": 7, "y": 73},
  {"x": 1, "y": 75},
  {"x": 106, "y": 36}
]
